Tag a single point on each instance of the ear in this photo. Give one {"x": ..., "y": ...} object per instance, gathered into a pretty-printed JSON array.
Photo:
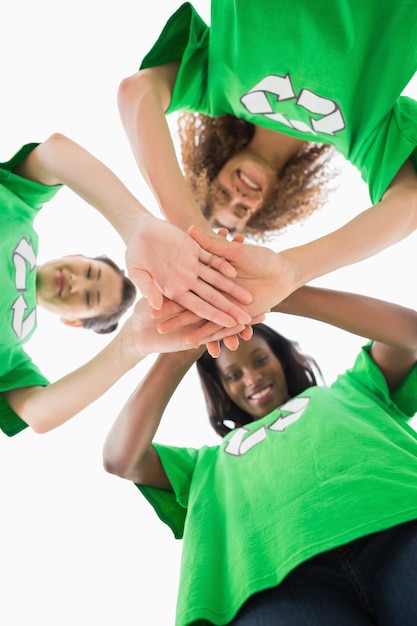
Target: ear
[{"x": 73, "y": 323}]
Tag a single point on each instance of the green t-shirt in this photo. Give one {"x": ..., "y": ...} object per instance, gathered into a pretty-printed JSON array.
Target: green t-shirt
[
  {"x": 322, "y": 71},
  {"x": 331, "y": 465},
  {"x": 20, "y": 201}
]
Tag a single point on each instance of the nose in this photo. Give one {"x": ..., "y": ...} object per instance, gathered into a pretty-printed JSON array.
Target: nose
[
  {"x": 252, "y": 199},
  {"x": 77, "y": 282},
  {"x": 251, "y": 377}
]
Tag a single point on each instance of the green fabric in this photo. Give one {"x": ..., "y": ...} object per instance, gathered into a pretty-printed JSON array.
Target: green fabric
[
  {"x": 20, "y": 202},
  {"x": 322, "y": 71},
  {"x": 330, "y": 466}
]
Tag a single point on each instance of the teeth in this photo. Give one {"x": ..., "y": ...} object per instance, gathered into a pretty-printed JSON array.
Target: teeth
[
  {"x": 260, "y": 394},
  {"x": 249, "y": 182}
]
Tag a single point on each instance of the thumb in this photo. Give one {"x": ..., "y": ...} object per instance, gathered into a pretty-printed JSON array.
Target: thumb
[
  {"x": 211, "y": 243},
  {"x": 147, "y": 288}
]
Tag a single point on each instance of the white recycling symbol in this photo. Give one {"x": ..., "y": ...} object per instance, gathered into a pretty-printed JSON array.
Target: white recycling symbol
[
  {"x": 23, "y": 323},
  {"x": 257, "y": 102}
]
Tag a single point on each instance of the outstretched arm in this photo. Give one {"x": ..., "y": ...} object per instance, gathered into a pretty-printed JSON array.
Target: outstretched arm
[
  {"x": 392, "y": 327},
  {"x": 270, "y": 277},
  {"x": 45, "y": 408},
  {"x": 160, "y": 258},
  {"x": 127, "y": 451},
  {"x": 143, "y": 99}
]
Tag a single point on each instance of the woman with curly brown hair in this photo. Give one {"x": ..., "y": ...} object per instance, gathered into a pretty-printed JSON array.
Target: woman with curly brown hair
[
  {"x": 291, "y": 76},
  {"x": 208, "y": 145}
]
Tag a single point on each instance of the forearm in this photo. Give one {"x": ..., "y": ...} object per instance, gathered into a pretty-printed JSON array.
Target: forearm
[
  {"x": 142, "y": 105},
  {"x": 45, "y": 408},
  {"x": 375, "y": 319},
  {"x": 59, "y": 160},
  {"x": 377, "y": 228},
  {"x": 126, "y": 450}
]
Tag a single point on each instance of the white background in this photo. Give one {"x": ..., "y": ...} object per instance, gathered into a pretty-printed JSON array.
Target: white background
[{"x": 78, "y": 546}]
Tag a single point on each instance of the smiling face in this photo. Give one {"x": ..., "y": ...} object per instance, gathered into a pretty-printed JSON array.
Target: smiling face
[
  {"x": 239, "y": 190},
  {"x": 77, "y": 287},
  {"x": 253, "y": 377}
]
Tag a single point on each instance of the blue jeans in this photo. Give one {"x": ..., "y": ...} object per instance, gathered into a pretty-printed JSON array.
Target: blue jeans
[{"x": 372, "y": 580}]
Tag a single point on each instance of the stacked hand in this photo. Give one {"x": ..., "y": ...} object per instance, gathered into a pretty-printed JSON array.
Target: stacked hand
[
  {"x": 262, "y": 272},
  {"x": 164, "y": 261}
]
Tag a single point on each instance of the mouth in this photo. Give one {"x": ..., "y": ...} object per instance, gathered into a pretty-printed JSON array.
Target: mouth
[
  {"x": 261, "y": 394},
  {"x": 249, "y": 182},
  {"x": 60, "y": 282}
]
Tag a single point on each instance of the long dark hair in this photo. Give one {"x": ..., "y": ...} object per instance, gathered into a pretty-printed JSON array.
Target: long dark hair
[
  {"x": 107, "y": 323},
  {"x": 300, "y": 373}
]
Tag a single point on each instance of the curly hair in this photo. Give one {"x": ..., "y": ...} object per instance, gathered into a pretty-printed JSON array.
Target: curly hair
[
  {"x": 301, "y": 187},
  {"x": 301, "y": 372}
]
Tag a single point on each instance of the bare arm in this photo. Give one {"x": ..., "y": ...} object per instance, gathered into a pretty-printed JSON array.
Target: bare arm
[
  {"x": 270, "y": 277},
  {"x": 59, "y": 160},
  {"x": 127, "y": 450},
  {"x": 392, "y": 327},
  {"x": 373, "y": 230},
  {"x": 143, "y": 99},
  {"x": 45, "y": 408},
  {"x": 195, "y": 283}
]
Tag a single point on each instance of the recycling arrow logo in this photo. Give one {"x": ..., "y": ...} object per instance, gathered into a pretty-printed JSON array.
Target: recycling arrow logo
[
  {"x": 256, "y": 101},
  {"x": 23, "y": 322}
]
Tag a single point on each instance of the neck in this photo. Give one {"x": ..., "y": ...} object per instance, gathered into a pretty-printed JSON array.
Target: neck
[{"x": 274, "y": 147}]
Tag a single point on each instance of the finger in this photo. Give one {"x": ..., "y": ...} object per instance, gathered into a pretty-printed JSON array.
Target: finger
[
  {"x": 221, "y": 283},
  {"x": 207, "y": 333},
  {"x": 231, "y": 342},
  {"x": 169, "y": 308},
  {"x": 147, "y": 288},
  {"x": 213, "y": 348},
  {"x": 239, "y": 237},
  {"x": 213, "y": 306},
  {"x": 182, "y": 320},
  {"x": 218, "y": 263},
  {"x": 246, "y": 333},
  {"x": 258, "y": 318},
  {"x": 213, "y": 296},
  {"x": 218, "y": 246},
  {"x": 205, "y": 310}
]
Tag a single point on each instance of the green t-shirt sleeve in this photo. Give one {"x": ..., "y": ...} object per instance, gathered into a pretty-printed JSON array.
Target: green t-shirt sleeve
[
  {"x": 402, "y": 401},
  {"x": 184, "y": 39},
  {"x": 32, "y": 193},
  {"x": 21, "y": 372},
  {"x": 20, "y": 200},
  {"x": 171, "y": 506},
  {"x": 393, "y": 142}
]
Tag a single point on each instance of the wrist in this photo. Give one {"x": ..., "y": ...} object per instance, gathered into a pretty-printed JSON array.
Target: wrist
[
  {"x": 126, "y": 351},
  {"x": 182, "y": 361}
]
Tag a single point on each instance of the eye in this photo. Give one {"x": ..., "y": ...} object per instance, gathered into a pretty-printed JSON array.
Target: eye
[
  {"x": 261, "y": 360},
  {"x": 231, "y": 377},
  {"x": 241, "y": 210},
  {"x": 222, "y": 195},
  {"x": 87, "y": 298}
]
